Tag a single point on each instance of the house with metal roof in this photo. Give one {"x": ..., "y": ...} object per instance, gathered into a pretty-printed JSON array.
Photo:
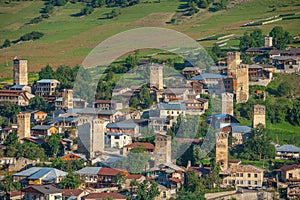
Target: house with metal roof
[
  {"x": 287, "y": 152},
  {"x": 171, "y": 110},
  {"x": 239, "y": 134},
  {"x": 42, "y": 192},
  {"x": 219, "y": 121},
  {"x": 46, "y": 87},
  {"x": 117, "y": 140},
  {"x": 129, "y": 128},
  {"x": 44, "y": 130},
  {"x": 39, "y": 176}
]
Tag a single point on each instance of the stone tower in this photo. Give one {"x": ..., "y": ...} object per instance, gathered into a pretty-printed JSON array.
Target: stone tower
[
  {"x": 233, "y": 61},
  {"x": 258, "y": 115},
  {"x": 227, "y": 103},
  {"x": 23, "y": 121},
  {"x": 90, "y": 136},
  {"x": 67, "y": 99},
  {"x": 242, "y": 84},
  {"x": 222, "y": 150},
  {"x": 20, "y": 72},
  {"x": 163, "y": 150},
  {"x": 268, "y": 41},
  {"x": 156, "y": 76}
]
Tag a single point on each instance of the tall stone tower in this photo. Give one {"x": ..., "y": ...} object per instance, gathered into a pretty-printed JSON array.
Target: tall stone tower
[
  {"x": 258, "y": 115},
  {"x": 227, "y": 103},
  {"x": 163, "y": 149},
  {"x": 20, "y": 72},
  {"x": 23, "y": 121},
  {"x": 156, "y": 76},
  {"x": 242, "y": 84},
  {"x": 233, "y": 61},
  {"x": 222, "y": 150},
  {"x": 90, "y": 136},
  {"x": 67, "y": 99},
  {"x": 268, "y": 41}
]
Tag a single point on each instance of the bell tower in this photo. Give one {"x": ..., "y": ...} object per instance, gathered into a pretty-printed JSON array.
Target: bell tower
[{"x": 222, "y": 150}]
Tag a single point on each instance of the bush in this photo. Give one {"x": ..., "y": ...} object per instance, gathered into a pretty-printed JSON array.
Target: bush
[
  {"x": 36, "y": 20},
  {"x": 34, "y": 35}
]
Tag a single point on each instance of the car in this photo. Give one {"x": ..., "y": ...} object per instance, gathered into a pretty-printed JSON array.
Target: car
[
  {"x": 258, "y": 188},
  {"x": 250, "y": 188}
]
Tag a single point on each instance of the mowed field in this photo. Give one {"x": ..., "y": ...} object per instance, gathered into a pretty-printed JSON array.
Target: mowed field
[{"x": 69, "y": 39}]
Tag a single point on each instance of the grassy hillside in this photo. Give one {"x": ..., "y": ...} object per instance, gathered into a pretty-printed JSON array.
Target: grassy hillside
[{"x": 68, "y": 39}]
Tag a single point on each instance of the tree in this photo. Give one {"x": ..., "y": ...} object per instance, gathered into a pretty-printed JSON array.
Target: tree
[
  {"x": 131, "y": 61},
  {"x": 54, "y": 145},
  {"x": 145, "y": 98},
  {"x": 258, "y": 38},
  {"x": 6, "y": 43},
  {"x": 146, "y": 193},
  {"x": 46, "y": 73},
  {"x": 280, "y": 37},
  {"x": 71, "y": 181},
  {"x": 9, "y": 110},
  {"x": 120, "y": 179},
  {"x": 134, "y": 102},
  {"x": 284, "y": 89},
  {"x": 294, "y": 113},
  {"x": 8, "y": 183},
  {"x": 31, "y": 151},
  {"x": 37, "y": 103},
  {"x": 87, "y": 10},
  {"x": 115, "y": 12}
]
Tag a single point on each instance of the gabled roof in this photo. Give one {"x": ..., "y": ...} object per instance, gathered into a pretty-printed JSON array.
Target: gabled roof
[
  {"x": 241, "y": 129},
  {"x": 290, "y": 167},
  {"x": 121, "y": 125},
  {"x": 242, "y": 168},
  {"x": 41, "y": 127},
  {"x": 104, "y": 195},
  {"x": 166, "y": 106},
  {"x": 146, "y": 145},
  {"x": 47, "y": 174},
  {"x": 72, "y": 192},
  {"x": 97, "y": 111},
  {"x": 171, "y": 166},
  {"x": 47, "y": 81},
  {"x": 285, "y": 58},
  {"x": 88, "y": 171},
  {"x": 43, "y": 189},
  {"x": 207, "y": 76},
  {"x": 111, "y": 171},
  {"x": 288, "y": 148}
]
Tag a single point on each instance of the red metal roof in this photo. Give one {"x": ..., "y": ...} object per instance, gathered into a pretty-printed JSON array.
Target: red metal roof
[
  {"x": 146, "y": 145},
  {"x": 103, "y": 195}
]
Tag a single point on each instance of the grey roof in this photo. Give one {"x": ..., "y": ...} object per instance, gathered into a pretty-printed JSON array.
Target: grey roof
[
  {"x": 62, "y": 119},
  {"x": 47, "y": 174},
  {"x": 172, "y": 166},
  {"x": 165, "y": 106},
  {"x": 41, "y": 127},
  {"x": 89, "y": 171},
  {"x": 17, "y": 87},
  {"x": 44, "y": 189},
  {"x": 241, "y": 129},
  {"x": 121, "y": 125},
  {"x": 288, "y": 148},
  {"x": 47, "y": 80},
  {"x": 208, "y": 76},
  {"x": 97, "y": 111},
  {"x": 285, "y": 58}
]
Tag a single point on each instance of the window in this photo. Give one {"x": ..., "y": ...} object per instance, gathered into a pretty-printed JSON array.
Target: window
[
  {"x": 255, "y": 175},
  {"x": 255, "y": 182},
  {"x": 249, "y": 175},
  {"x": 242, "y": 174},
  {"x": 290, "y": 175},
  {"x": 249, "y": 182}
]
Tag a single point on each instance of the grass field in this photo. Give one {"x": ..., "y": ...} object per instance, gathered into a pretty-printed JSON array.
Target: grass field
[{"x": 69, "y": 39}]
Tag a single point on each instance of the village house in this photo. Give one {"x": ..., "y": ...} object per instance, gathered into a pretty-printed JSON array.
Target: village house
[
  {"x": 78, "y": 103},
  {"x": 219, "y": 121},
  {"x": 108, "y": 105},
  {"x": 126, "y": 128},
  {"x": 160, "y": 124},
  {"x": 72, "y": 157},
  {"x": 39, "y": 176},
  {"x": 100, "y": 177},
  {"x": 211, "y": 82},
  {"x": 117, "y": 140},
  {"x": 149, "y": 148},
  {"x": 242, "y": 176},
  {"x": 44, "y": 130},
  {"x": 36, "y": 192},
  {"x": 286, "y": 64},
  {"x": 189, "y": 72},
  {"x": 290, "y": 52},
  {"x": 171, "y": 110},
  {"x": 290, "y": 173},
  {"x": 46, "y": 87},
  {"x": 173, "y": 94},
  {"x": 239, "y": 134},
  {"x": 196, "y": 106},
  {"x": 39, "y": 116},
  {"x": 258, "y": 75},
  {"x": 75, "y": 194},
  {"x": 21, "y": 88},
  {"x": 109, "y": 115},
  {"x": 19, "y": 97},
  {"x": 293, "y": 192},
  {"x": 15, "y": 195},
  {"x": 104, "y": 195},
  {"x": 289, "y": 152}
]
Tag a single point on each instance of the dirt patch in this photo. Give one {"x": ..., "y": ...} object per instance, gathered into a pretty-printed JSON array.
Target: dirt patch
[{"x": 154, "y": 19}]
